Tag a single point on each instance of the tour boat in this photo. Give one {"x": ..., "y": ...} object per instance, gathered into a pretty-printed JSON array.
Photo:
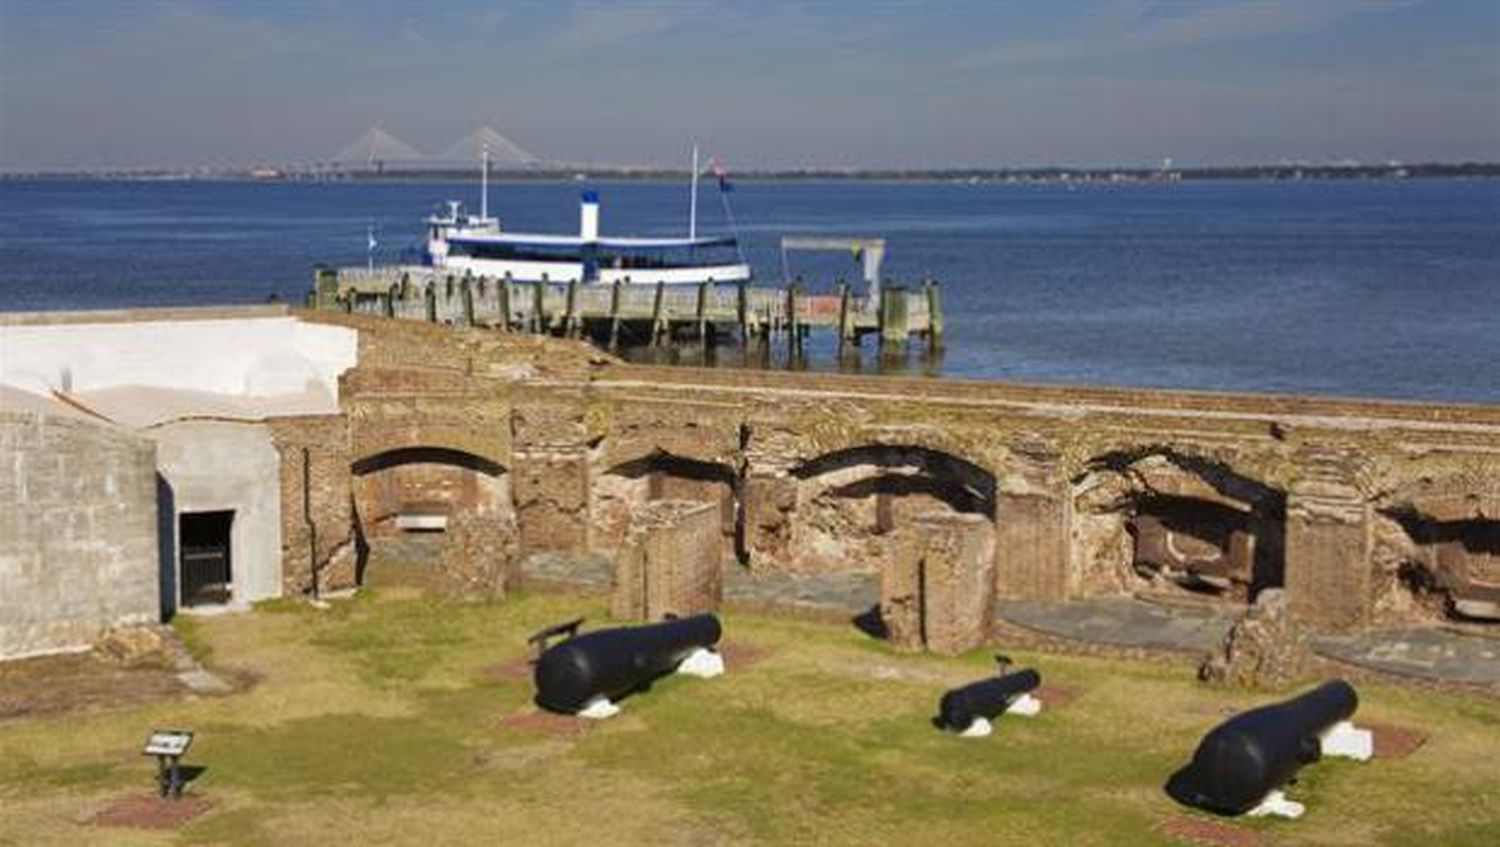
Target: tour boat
[{"x": 459, "y": 241}]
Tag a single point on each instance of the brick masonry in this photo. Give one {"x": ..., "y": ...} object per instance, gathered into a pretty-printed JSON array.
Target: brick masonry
[
  {"x": 937, "y": 591},
  {"x": 318, "y": 533},
  {"x": 670, "y": 563},
  {"x": 562, "y": 419}
]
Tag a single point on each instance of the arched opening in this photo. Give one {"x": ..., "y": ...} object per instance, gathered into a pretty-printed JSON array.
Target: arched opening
[
  {"x": 1160, "y": 521},
  {"x": 662, "y": 476},
  {"x": 850, "y": 501},
  {"x": 1448, "y": 566},
  {"x": 420, "y": 489},
  {"x": 421, "y": 512}
]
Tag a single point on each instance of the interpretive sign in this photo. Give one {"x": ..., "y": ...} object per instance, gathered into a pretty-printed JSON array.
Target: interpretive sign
[{"x": 168, "y": 745}]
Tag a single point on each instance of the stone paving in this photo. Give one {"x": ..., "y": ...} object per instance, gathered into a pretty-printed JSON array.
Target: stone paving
[
  {"x": 1431, "y": 653},
  {"x": 831, "y": 594},
  {"x": 1123, "y": 622},
  {"x": 1426, "y": 653},
  {"x": 592, "y": 571}
]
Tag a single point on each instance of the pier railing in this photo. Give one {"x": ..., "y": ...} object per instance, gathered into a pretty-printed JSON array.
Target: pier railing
[{"x": 656, "y": 313}]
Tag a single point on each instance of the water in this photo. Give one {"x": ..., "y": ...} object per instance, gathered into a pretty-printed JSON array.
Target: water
[{"x": 1385, "y": 289}]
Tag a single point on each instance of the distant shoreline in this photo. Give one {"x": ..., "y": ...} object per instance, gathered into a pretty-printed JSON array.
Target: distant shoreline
[{"x": 1048, "y": 175}]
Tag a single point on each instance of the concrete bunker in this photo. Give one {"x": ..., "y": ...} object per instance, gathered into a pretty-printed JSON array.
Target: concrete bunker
[
  {"x": 219, "y": 500},
  {"x": 663, "y": 476},
  {"x": 1160, "y": 521},
  {"x": 849, "y": 502}
]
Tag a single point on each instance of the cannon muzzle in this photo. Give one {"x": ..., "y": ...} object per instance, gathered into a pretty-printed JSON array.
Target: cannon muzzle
[
  {"x": 613, "y": 662},
  {"x": 1253, "y": 753},
  {"x": 984, "y": 699}
]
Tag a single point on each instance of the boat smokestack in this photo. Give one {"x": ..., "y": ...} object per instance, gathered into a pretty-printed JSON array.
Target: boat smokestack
[{"x": 588, "y": 216}]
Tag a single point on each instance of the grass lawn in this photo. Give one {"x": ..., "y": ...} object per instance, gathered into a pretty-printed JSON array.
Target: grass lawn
[{"x": 389, "y": 720}]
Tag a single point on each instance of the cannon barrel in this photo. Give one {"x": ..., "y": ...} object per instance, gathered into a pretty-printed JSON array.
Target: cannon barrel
[
  {"x": 613, "y": 662},
  {"x": 1253, "y": 753},
  {"x": 984, "y": 699}
]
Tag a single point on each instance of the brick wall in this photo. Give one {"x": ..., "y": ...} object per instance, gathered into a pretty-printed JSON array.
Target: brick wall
[
  {"x": 329, "y": 537},
  {"x": 670, "y": 562}
]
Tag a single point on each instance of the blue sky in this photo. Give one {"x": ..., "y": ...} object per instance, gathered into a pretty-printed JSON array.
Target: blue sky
[{"x": 762, "y": 84}]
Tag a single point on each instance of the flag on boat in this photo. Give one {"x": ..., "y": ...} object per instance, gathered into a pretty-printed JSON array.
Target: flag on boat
[{"x": 721, "y": 173}]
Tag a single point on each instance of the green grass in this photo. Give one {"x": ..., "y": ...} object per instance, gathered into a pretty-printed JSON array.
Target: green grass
[{"x": 381, "y": 720}]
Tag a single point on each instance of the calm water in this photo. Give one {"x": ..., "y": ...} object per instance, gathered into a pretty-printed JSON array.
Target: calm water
[{"x": 1387, "y": 289}]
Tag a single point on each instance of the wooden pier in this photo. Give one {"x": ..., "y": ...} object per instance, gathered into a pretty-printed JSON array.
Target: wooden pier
[{"x": 650, "y": 315}]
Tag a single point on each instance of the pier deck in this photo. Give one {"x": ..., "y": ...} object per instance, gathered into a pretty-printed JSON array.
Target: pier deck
[{"x": 653, "y": 314}]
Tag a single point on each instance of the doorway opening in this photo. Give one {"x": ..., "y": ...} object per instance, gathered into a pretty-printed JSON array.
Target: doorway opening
[{"x": 203, "y": 539}]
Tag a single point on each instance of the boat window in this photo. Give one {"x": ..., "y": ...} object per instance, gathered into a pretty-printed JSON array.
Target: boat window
[{"x": 514, "y": 252}]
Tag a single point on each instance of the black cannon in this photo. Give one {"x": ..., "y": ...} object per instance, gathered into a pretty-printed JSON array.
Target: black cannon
[
  {"x": 986, "y": 698},
  {"x": 1253, "y": 753},
  {"x": 613, "y": 662}
]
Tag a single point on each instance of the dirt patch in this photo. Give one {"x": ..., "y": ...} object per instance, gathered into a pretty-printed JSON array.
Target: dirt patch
[
  {"x": 515, "y": 670},
  {"x": 546, "y": 723},
  {"x": 739, "y": 656},
  {"x": 1211, "y": 832},
  {"x": 150, "y": 812},
  {"x": 1055, "y": 696},
  {"x": 55, "y": 684},
  {"x": 1395, "y": 742}
]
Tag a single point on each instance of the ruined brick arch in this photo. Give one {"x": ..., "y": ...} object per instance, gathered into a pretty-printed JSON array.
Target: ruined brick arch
[
  {"x": 849, "y": 501},
  {"x": 1438, "y": 554},
  {"x": 431, "y": 455},
  {"x": 936, "y": 442},
  {"x": 661, "y": 475},
  {"x": 413, "y": 481},
  {"x": 1161, "y": 518}
]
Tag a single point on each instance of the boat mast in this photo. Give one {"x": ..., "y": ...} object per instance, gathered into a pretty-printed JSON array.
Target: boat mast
[
  {"x": 484, "y": 183},
  {"x": 693, "y": 201}
]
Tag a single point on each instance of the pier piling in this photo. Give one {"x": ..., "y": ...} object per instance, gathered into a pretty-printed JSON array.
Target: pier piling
[
  {"x": 614, "y": 317},
  {"x": 934, "y": 317},
  {"x": 570, "y": 314},
  {"x": 503, "y": 290},
  {"x": 793, "y": 327},
  {"x": 624, "y": 313},
  {"x": 658, "y": 316},
  {"x": 894, "y": 327}
]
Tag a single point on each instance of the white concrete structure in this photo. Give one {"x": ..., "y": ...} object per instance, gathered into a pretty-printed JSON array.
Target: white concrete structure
[
  {"x": 252, "y": 357},
  {"x": 226, "y": 466},
  {"x": 201, "y": 385}
]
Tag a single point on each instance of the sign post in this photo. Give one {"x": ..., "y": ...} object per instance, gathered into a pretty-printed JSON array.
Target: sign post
[{"x": 168, "y": 745}]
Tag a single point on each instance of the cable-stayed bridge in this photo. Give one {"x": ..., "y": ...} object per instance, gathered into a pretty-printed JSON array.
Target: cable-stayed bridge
[{"x": 378, "y": 149}]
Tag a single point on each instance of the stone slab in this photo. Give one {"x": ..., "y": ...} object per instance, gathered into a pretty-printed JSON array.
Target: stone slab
[
  {"x": 1123, "y": 622},
  {"x": 1425, "y": 653},
  {"x": 847, "y": 593}
]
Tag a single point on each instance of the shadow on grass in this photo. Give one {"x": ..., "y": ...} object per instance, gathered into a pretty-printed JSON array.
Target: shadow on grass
[{"x": 872, "y": 623}]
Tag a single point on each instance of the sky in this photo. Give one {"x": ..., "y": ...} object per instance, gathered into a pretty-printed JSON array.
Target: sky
[{"x": 759, "y": 83}]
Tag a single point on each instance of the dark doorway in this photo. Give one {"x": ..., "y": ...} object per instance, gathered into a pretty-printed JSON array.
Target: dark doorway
[{"x": 203, "y": 538}]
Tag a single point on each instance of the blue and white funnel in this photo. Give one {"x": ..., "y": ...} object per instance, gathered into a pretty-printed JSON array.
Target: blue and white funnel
[{"x": 588, "y": 216}]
